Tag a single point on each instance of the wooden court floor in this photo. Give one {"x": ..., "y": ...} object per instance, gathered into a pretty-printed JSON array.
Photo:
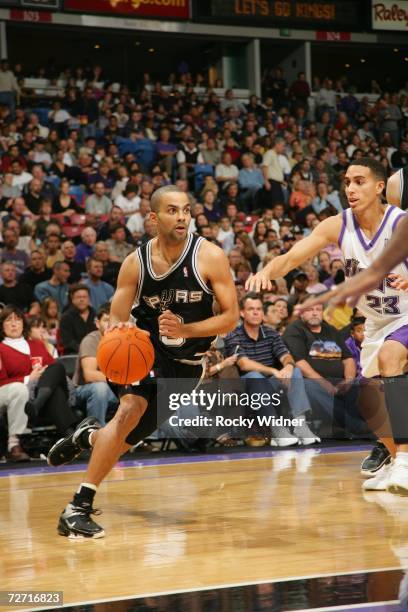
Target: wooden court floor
[{"x": 202, "y": 524}]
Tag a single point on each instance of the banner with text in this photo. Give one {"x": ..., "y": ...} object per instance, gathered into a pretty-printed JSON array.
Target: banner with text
[
  {"x": 159, "y": 9},
  {"x": 390, "y": 15}
]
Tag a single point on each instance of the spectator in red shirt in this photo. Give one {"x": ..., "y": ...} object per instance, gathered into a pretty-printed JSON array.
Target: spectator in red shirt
[{"x": 28, "y": 362}]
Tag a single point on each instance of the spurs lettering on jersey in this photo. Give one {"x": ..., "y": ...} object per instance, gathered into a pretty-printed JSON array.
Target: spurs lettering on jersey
[{"x": 173, "y": 296}]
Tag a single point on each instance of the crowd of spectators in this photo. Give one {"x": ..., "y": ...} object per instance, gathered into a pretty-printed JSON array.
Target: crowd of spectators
[{"x": 76, "y": 183}]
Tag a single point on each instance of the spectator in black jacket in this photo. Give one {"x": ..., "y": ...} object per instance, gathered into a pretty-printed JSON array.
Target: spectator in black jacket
[
  {"x": 78, "y": 320},
  {"x": 13, "y": 291},
  {"x": 77, "y": 268},
  {"x": 37, "y": 272}
]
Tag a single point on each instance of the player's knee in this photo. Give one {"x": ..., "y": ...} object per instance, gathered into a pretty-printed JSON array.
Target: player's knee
[
  {"x": 129, "y": 413},
  {"x": 389, "y": 362}
]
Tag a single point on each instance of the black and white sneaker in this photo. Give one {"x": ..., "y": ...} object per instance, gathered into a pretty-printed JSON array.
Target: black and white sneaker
[
  {"x": 76, "y": 522},
  {"x": 378, "y": 457},
  {"x": 66, "y": 449}
]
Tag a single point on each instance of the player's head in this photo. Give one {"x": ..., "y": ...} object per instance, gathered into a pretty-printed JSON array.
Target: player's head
[
  {"x": 364, "y": 183},
  {"x": 171, "y": 211}
]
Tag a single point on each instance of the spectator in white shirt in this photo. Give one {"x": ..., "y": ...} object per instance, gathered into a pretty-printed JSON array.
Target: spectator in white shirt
[
  {"x": 136, "y": 221},
  {"x": 225, "y": 235},
  {"x": 129, "y": 201},
  {"x": 226, "y": 172},
  {"x": 20, "y": 176},
  {"x": 41, "y": 156}
]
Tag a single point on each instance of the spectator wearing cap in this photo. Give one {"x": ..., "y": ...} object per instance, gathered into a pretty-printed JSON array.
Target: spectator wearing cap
[{"x": 98, "y": 204}]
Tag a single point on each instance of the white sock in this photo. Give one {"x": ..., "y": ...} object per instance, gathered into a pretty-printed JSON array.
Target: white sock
[
  {"x": 12, "y": 441},
  {"x": 88, "y": 485}
]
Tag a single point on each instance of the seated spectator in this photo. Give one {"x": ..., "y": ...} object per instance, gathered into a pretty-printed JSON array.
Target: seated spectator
[
  {"x": 260, "y": 239},
  {"x": 336, "y": 273},
  {"x": 272, "y": 317},
  {"x": 129, "y": 201},
  {"x": 110, "y": 268},
  {"x": 28, "y": 362},
  {"x": 250, "y": 180},
  {"x": 118, "y": 248},
  {"x": 86, "y": 247},
  {"x": 20, "y": 176},
  {"x": 98, "y": 204},
  {"x": 33, "y": 196},
  {"x": 299, "y": 287},
  {"x": 313, "y": 284},
  {"x": 212, "y": 210},
  {"x": 92, "y": 388},
  {"x": 324, "y": 266},
  {"x": 51, "y": 317},
  {"x": 41, "y": 156},
  {"x": 354, "y": 342},
  {"x": 43, "y": 219},
  {"x": 78, "y": 320},
  {"x": 52, "y": 249},
  {"x": 225, "y": 236},
  {"x": 56, "y": 287},
  {"x": 210, "y": 153},
  {"x": 25, "y": 242},
  {"x": 263, "y": 356},
  {"x": 328, "y": 368},
  {"x": 399, "y": 159},
  {"x": 100, "y": 292},
  {"x": 65, "y": 203},
  {"x": 18, "y": 213},
  {"x": 150, "y": 230},
  {"x": 11, "y": 254},
  {"x": 244, "y": 244},
  {"x": 135, "y": 222},
  {"x": 77, "y": 270},
  {"x": 115, "y": 216},
  {"x": 166, "y": 151},
  {"x": 37, "y": 272},
  {"x": 325, "y": 200},
  {"x": 37, "y": 330},
  {"x": 13, "y": 400},
  {"x": 226, "y": 172},
  {"x": 13, "y": 291}
]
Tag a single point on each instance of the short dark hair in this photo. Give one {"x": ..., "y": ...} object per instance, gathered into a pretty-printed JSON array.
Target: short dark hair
[
  {"x": 266, "y": 306},
  {"x": 376, "y": 168},
  {"x": 103, "y": 310},
  {"x": 157, "y": 196},
  {"x": 6, "y": 313},
  {"x": 78, "y": 287},
  {"x": 249, "y": 296}
]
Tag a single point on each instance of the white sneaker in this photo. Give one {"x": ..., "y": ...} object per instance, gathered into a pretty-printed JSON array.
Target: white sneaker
[
  {"x": 305, "y": 435},
  {"x": 398, "y": 481},
  {"x": 380, "y": 481},
  {"x": 281, "y": 436}
]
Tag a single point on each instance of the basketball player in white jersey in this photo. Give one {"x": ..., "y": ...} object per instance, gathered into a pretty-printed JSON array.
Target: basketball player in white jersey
[{"x": 363, "y": 232}]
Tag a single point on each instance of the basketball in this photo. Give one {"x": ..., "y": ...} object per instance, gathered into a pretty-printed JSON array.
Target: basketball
[{"x": 125, "y": 355}]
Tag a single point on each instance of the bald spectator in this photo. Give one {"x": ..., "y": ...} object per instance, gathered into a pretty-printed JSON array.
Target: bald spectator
[{"x": 37, "y": 272}]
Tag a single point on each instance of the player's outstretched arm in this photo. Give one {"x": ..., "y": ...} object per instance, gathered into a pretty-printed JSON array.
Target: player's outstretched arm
[
  {"x": 353, "y": 288},
  {"x": 215, "y": 271},
  {"x": 122, "y": 301},
  {"x": 325, "y": 233}
]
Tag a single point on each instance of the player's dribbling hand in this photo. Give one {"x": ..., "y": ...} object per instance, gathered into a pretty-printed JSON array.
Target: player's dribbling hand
[
  {"x": 399, "y": 282},
  {"x": 124, "y": 325},
  {"x": 258, "y": 282},
  {"x": 170, "y": 325}
]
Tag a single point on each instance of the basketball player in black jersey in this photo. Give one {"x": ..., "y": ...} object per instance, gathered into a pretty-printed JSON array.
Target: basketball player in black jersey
[{"x": 173, "y": 280}]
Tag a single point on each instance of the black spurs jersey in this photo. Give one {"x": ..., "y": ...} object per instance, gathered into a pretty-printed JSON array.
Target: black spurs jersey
[
  {"x": 180, "y": 290},
  {"x": 404, "y": 187}
]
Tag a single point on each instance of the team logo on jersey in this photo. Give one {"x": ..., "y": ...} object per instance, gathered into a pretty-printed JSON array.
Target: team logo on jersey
[
  {"x": 185, "y": 272},
  {"x": 173, "y": 296}
]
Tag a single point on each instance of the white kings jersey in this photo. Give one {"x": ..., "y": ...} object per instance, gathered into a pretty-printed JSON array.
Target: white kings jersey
[
  {"x": 385, "y": 308},
  {"x": 384, "y": 304}
]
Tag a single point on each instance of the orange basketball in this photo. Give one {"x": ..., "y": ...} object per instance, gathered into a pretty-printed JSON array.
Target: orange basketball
[{"x": 125, "y": 355}]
